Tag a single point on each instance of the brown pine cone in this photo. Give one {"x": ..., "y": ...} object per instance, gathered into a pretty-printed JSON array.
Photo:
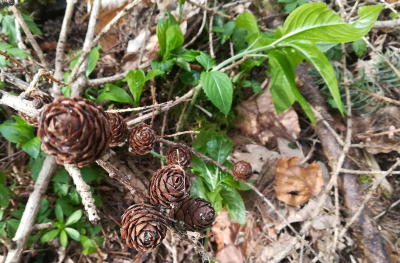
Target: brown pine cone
[
  {"x": 41, "y": 99},
  {"x": 242, "y": 171},
  {"x": 194, "y": 214},
  {"x": 142, "y": 139},
  {"x": 179, "y": 155},
  {"x": 74, "y": 130},
  {"x": 142, "y": 227},
  {"x": 169, "y": 186},
  {"x": 119, "y": 129}
]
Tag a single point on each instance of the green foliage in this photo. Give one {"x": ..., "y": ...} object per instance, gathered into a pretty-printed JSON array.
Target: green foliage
[
  {"x": 21, "y": 133},
  {"x": 93, "y": 59},
  {"x": 206, "y": 61},
  {"x": 210, "y": 183},
  {"x": 393, "y": 15},
  {"x": 359, "y": 47},
  {"x": 219, "y": 89},
  {"x": 12, "y": 51},
  {"x": 292, "y": 4}
]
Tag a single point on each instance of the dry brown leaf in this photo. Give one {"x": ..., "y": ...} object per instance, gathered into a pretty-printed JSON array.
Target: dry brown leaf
[
  {"x": 261, "y": 121},
  {"x": 295, "y": 185}
]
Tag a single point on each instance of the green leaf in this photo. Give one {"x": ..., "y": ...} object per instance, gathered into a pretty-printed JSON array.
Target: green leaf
[
  {"x": 74, "y": 197},
  {"x": 162, "y": 27},
  {"x": 283, "y": 79},
  {"x": 190, "y": 55},
  {"x": 208, "y": 171},
  {"x": 59, "y": 213},
  {"x": 290, "y": 7},
  {"x": 17, "y": 132},
  {"x": 153, "y": 73},
  {"x": 8, "y": 28},
  {"x": 316, "y": 23},
  {"x": 164, "y": 66},
  {"x": 393, "y": 15},
  {"x": 50, "y": 235},
  {"x": 4, "y": 196},
  {"x": 304, "y": 105},
  {"x": 44, "y": 205},
  {"x": 239, "y": 39},
  {"x": 219, "y": 89},
  {"x": 32, "y": 147},
  {"x": 13, "y": 225},
  {"x": 61, "y": 176},
  {"x": 3, "y": 179},
  {"x": 359, "y": 47},
  {"x": 136, "y": 79},
  {"x": 199, "y": 188},
  {"x": 63, "y": 238},
  {"x": 72, "y": 219},
  {"x": 61, "y": 189},
  {"x": 325, "y": 46},
  {"x": 31, "y": 25},
  {"x": 89, "y": 174},
  {"x": 248, "y": 22},
  {"x": 206, "y": 61},
  {"x": 36, "y": 168},
  {"x": 215, "y": 198},
  {"x": 219, "y": 148},
  {"x": 228, "y": 30},
  {"x": 67, "y": 208},
  {"x": 190, "y": 78},
  {"x": 183, "y": 64},
  {"x": 99, "y": 240},
  {"x": 74, "y": 234},
  {"x": 322, "y": 64},
  {"x": 174, "y": 39},
  {"x": 234, "y": 204},
  {"x": 93, "y": 58},
  {"x": 114, "y": 93}
]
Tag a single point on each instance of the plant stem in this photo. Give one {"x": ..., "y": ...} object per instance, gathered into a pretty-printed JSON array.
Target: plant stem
[
  {"x": 206, "y": 239},
  {"x": 159, "y": 156},
  {"x": 189, "y": 109}
]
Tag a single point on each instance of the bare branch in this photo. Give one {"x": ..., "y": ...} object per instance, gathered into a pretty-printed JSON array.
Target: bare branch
[
  {"x": 7, "y": 56},
  {"x": 29, "y": 35},
  {"x": 13, "y": 79},
  {"x": 213, "y": 11},
  {"x": 84, "y": 191},
  {"x": 18, "y": 104},
  {"x": 31, "y": 209},
  {"x": 38, "y": 227},
  {"x": 58, "y": 74},
  {"x": 10, "y": 244},
  {"x": 388, "y": 23}
]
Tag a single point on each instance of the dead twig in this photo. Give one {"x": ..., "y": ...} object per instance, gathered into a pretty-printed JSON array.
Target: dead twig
[
  {"x": 29, "y": 35},
  {"x": 179, "y": 133},
  {"x": 7, "y": 56},
  {"x": 211, "y": 10}
]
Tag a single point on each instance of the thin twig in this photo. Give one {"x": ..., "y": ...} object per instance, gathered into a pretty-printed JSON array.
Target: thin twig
[
  {"x": 145, "y": 33},
  {"x": 200, "y": 30},
  {"x": 10, "y": 244},
  {"x": 211, "y": 10},
  {"x": 179, "y": 133},
  {"x": 387, "y": 210},
  {"x": 29, "y": 35},
  {"x": 20, "y": 43},
  {"x": 42, "y": 226},
  {"x": 367, "y": 197},
  {"x": 84, "y": 191},
  {"x": 141, "y": 108},
  {"x": 113, "y": 172},
  {"x": 348, "y": 171},
  {"x": 380, "y": 97},
  {"x": 234, "y": 64},
  {"x": 181, "y": 117},
  {"x": 377, "y": 134},
  {"x": 362, "y": 145},
  {"x": 58, "y": 73},
  {"x": 7, "y": 56},
  {"x": 31, "y": 209},
  {"x": 210, "y": 33},
  {"x": 92, "y": 44}
]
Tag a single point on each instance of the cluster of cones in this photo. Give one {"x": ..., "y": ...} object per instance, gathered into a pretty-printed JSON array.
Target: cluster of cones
[{"x": 76, "y": 131}]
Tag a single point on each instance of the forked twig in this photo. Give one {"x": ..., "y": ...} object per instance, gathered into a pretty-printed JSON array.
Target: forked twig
[{"x": 7, "y": 56}]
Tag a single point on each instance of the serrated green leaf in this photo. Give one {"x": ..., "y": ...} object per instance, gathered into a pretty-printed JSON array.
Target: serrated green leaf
[
  {"x": 61, "y": 189},
  {"x": 59, "y": 213},
  {"x": 207, "y": 171},
  {"x": 190, "y": 55},
  {"x": 18, "y": 131},
  {"x": 114, "y": 93},
  {"x": 219, "y": 89},
  {"x": 199, "y": 188},
  {"x": 322, "y": 64},
  {"x": 32, "y": 147},
  {"x": 359, "y": 47},
  {"x": 63, "y": 238},
  {"x": 189, "y": 78},
  {"x": 136, "y": 79},
  {"x": 72, "y": 233},
  {"x": 228, "y": 31},
  {"x": 206, "y": 61},
  {"x": 215, "y": 198},
  {"x": 234, "y": 203},
  {"x": 4, "y": 196},
  {"x": 315, "y": 22},
  {"x": 50, "y": 235},
  {"x": 72, "y": 219}
]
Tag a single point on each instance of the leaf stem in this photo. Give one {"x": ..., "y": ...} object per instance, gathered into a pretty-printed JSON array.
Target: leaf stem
[{"x": 159, "y": 156}]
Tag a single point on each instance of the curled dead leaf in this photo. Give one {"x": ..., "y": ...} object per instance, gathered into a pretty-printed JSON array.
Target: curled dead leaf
[{"x": 295, "y": 185}]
